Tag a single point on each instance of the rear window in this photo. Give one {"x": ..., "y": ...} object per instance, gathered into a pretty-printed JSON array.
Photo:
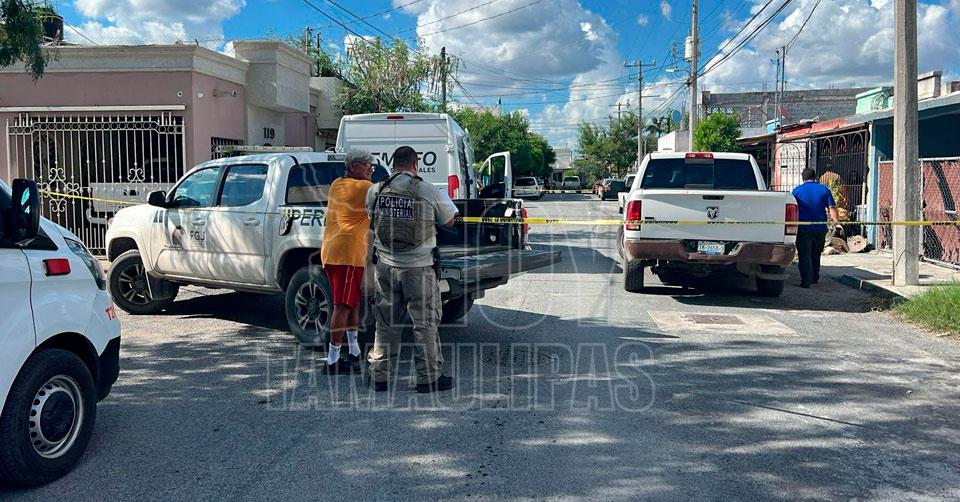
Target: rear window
[
  {"x": 526, "y": 182},
  {"x": 571, "y": 178},
  {"x": 721, "y": 174}
]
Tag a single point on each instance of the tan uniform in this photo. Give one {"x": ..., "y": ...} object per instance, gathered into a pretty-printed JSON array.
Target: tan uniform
[{"x": 408, "y": 292}]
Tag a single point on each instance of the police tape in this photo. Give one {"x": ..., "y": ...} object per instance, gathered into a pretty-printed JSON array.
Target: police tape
[
  {"x": 572, "y": 221},
  {"x": 618, "y": 222}
]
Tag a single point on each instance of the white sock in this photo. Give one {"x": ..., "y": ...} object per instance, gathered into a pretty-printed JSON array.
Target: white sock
[
  {"x": 352, "y": 344},
  {"x": 333, "y": 354}
]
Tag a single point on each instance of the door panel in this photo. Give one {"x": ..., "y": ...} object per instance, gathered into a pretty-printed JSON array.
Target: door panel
[
  {"x": 17, "y": 336},
  {"x": 235, "y": 227},
  {"x": 185, "y": 248}
]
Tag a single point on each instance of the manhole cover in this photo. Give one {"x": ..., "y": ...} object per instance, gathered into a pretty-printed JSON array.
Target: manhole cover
[
  {"x": 515, "y": 356},
  {"x": 714, "y": 319}
]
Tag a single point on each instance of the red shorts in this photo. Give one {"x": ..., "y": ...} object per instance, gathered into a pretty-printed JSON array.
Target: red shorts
[{"x": 345, "y": 281}]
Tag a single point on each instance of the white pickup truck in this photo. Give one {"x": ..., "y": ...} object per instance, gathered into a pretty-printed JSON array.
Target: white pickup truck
[
  {"x": 722, "y": 190},
  {"x": 255, "y": 223},
  {"x": 623, "y": 196}
]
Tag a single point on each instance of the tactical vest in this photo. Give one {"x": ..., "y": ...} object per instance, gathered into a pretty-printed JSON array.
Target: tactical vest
[{"x": 400, "y": 221}]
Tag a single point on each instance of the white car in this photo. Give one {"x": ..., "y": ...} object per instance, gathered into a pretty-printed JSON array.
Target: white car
[
  {"x": 527, "y": 187},
  {"x": 59, "y": 342},
  {"x": 571, "y": 183},
  {"x": 624, "y": 195}
]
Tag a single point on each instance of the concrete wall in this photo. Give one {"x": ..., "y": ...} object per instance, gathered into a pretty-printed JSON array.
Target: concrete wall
[
  {"x": 755, "y": 108},
  {"x": 217, "y": 114},
  {"x": 265, "y": 126}
]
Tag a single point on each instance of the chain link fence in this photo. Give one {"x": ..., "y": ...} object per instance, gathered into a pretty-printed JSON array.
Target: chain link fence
[{"x": 940, "y": 191}]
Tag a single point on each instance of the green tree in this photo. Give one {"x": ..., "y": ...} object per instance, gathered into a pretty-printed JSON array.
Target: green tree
[
  {"x": 21, "y": 35},
  {"x": 324, "y": 64},
  {"x": 391, "y": 77},
  {"x": 717, "y": 133},
  {"x": 611, "y": 150},
  {"x": 493, "y": 132}
]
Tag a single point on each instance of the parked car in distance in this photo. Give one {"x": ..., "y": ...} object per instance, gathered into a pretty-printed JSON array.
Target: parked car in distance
[
  {"x": 59, "y": 342},
  {"x": 712, "y": 188},
  {"x": 628, "y": 187},
  {"x": 571, "y": 183},
  {"x": 528, "y": 187},
  {"x": 610, "y": 188}
]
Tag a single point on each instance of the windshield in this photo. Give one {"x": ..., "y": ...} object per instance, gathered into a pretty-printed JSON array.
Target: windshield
[
  {"x": 572, "y": 178},
  {"x": 720, "y": 174}
]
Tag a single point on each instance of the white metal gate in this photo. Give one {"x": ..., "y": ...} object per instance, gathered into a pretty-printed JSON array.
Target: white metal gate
[{"x": 118, "y": 157}]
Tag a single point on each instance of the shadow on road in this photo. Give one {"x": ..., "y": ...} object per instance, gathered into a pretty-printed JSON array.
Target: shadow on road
[{"x": 242, "y": 414}]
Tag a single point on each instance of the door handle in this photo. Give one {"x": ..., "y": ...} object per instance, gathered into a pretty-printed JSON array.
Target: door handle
[
  {"x": 251, "y": 222},
  {"x": 199, "y": 222}
]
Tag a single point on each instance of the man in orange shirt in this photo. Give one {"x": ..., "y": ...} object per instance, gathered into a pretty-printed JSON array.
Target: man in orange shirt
[{"x": 344, "y": 254}]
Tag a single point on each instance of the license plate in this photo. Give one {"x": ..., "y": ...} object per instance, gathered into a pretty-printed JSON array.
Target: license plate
[{"x": 709, "y": 247}]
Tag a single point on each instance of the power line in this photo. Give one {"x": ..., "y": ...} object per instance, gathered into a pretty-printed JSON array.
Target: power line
[
  {"x": 749, "y": 38},
  {"x": 804, "y": 25},
  {"x": 79, "y": 33},
  {"x": 448, "y": 17},
  {"x": 535, "y": 2}
]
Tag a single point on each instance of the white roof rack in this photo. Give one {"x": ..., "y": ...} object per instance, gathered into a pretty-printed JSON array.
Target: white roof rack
[{"x": 244, "y": 149}]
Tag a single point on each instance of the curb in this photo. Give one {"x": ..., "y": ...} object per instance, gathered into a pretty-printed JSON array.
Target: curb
[{"x": 867, "y": 286}]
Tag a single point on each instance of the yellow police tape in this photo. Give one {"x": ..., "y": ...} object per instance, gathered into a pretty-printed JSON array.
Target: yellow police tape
[{"x": 577, "y": 221}]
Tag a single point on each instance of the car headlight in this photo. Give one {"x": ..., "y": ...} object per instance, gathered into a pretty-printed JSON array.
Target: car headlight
[{"x": 92, "y": 263}]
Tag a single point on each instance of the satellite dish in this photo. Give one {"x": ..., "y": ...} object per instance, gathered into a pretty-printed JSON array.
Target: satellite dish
[{"x": 676, "y": 117}]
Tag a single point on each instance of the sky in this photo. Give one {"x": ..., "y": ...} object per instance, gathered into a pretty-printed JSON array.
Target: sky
[{"x": 561, "y": 62}]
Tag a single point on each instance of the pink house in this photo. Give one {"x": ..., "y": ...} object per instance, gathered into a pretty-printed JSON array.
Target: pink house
[{"x": 114, "y": 122}]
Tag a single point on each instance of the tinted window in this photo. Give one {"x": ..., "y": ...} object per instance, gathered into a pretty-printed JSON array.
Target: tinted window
[
  {"x": 723, "y": 174},
  {"x": 243, "y": 185},
  {"x": 629, "y": 182},
  {"x": 197, "y": 189},
  {"x": 526, "y": 182},
  {"x": 734, "y": 174},
  {"x": 310, "y": 183},
  {"x": 572, "y": 178}
]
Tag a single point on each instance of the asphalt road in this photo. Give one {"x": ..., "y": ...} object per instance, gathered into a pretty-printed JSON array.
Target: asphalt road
[{"x": 568, "y": 387}]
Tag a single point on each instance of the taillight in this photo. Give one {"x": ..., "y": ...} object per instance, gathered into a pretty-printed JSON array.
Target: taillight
[
  {"x": 524, "y": 229},
  {"x": 792, "y": 214},
  {"x": 699, "y": 155},
  {"x": 453, "y": 186},
  {"x": 633, "y": 215},
  {"x": 57, "y": 266}
]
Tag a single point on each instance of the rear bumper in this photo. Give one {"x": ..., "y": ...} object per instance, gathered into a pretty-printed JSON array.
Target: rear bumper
[{"x": 754, "y": 253}]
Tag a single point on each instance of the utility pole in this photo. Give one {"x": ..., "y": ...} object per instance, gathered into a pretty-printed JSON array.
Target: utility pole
[
  {"x": 639, "y": 66},
  {"x": 906, "y": 179},
  {"x": 619, "y": 106},
  {"x": 693, "y": 53},
  {"x": 443, "y": 79},
  {"x": 307, "y": 36}
]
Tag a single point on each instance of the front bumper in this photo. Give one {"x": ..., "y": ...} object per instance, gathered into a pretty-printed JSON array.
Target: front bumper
[{"x": 746, "y": 253}]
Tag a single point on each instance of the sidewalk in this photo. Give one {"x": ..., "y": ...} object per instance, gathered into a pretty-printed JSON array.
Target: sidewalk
[{"x": 872, "y": 272}]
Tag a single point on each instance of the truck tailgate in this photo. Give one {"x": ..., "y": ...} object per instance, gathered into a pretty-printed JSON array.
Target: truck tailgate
[
  {"x": 723, "y": 206},
  {"x": 501, "y": 263}
]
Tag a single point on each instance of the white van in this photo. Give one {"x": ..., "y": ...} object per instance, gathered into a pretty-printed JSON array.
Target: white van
[
  {"x": 59, "y": 341},
  {"x": 444, "y": 148}
]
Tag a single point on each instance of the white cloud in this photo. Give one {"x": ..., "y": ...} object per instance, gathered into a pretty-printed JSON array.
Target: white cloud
[
  {"x": 643, "y": 19},
  {"x": 846, "y": 43},
  {"x": 666, "y": 10},
  {"x": 153, "y": 22}
]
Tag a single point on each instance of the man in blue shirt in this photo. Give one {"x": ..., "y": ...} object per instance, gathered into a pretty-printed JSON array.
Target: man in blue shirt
[{"x": 813, "y": 200}]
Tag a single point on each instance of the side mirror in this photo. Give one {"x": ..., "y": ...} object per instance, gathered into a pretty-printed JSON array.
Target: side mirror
[
  {"x": 157, "y": 198},
  {"x": 24, "y": 212}
]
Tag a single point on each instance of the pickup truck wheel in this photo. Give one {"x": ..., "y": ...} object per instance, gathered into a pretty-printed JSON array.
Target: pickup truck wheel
[
  {"x": 48, "y": 418},
  {"x": 633, "y": 276},
  {"x": 309, "y": 306},
  {"x": 770, "y": 287},
  {"x": 456, "y": 309},
  {"x": 127, "y": 279}
]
